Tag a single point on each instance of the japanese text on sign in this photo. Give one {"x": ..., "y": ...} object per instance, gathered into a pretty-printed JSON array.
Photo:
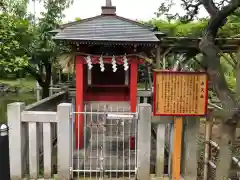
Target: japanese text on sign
[{"x": 180, "y": 93}]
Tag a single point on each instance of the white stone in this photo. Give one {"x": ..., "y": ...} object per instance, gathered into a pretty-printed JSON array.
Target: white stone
[{"x": 4, "y": 131}]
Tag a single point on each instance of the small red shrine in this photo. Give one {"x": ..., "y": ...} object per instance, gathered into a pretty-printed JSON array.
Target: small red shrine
[{"x": 107, "y": 64}]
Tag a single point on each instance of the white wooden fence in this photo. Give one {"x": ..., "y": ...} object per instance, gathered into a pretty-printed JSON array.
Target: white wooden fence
[
  {"x": 25, "y": 141},
  {"x": 31, "y": 134}
]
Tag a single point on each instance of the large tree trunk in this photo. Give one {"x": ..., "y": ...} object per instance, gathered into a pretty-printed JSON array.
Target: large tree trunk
[
  {"x": 216, "y": 76},
  {"x": 45, "y": 91},
  {"x": 220, "y": 87},
  {"x": 218, "y": 18},
  {"x": 225, "y": 154},
  {"x": 54, "y": 75},
  {"x": 46, "y": 84},
  {"x": 43, "y": 81}
]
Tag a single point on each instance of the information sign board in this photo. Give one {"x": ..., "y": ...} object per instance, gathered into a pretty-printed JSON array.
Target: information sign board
[{"x": 180, "y": 93}]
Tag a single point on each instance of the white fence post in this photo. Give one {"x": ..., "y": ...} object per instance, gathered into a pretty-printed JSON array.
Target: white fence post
[
  {"x": 160, "y": 147},
  {"x": 144, "y": 141},
  {"x": 47, "y": 149},
  {"x": 33, "y": 133},
  {"x": 38, "y": 91},
  {"x": 15, "y": 139},
  {"x": 64, "y": 140}
]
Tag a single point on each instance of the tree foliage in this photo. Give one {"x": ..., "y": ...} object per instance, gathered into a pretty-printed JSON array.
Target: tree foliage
[
  {"x": 26, "y": 44},
  {"x": 196, "y": 28},
  {"x": 15, "y": 37},
  {"x": 223, "y": 21}
]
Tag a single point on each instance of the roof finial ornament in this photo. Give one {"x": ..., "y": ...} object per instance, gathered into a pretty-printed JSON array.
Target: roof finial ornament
[
  {"x": 109, "y": 3},
  {"x": 108, "y": 9}
]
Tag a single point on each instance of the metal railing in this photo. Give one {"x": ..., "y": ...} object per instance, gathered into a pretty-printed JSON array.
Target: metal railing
[{"x": 109, "y": 142}]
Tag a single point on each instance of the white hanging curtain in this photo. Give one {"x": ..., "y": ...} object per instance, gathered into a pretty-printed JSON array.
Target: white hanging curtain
[
  {"x": 101, "y": 63},
  {"x": 114, "y": 64},
  {"x": 89, "y": 62},
  {"x": 125, "y": 63}
]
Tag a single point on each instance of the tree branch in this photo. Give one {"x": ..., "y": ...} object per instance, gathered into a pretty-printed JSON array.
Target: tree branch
[
  {"x": 210, "y": 7},
  {"x": 218, "y": 20},
  {"x": 192, "y": 8}
]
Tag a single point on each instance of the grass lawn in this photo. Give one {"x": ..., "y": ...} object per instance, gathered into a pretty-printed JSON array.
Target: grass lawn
[{"x": 24, "y": 84}]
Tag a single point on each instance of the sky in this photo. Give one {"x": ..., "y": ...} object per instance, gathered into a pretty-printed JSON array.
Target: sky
[{"x": 131, "y": 9}]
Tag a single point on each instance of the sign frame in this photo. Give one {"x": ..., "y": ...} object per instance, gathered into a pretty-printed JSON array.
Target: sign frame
[{"x": 155, "y": 113}]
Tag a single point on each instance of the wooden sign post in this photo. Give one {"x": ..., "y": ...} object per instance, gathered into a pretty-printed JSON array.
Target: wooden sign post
[{"x": 179, "y": 94}]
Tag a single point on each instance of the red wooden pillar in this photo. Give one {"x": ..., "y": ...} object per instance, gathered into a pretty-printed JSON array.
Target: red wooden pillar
[
  {"x": 79, "y": 120},
  {"x": 133, "y": 95},
  {"x": 133, "y": 85}
]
